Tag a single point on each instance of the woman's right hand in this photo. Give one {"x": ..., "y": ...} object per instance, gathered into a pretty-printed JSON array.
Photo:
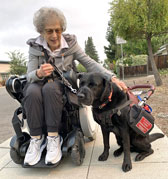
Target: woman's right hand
[{"x": 45, "y": 69}]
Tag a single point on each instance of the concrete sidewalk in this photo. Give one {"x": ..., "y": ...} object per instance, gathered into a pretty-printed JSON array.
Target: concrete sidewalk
[{"x": 154, "y": 166}]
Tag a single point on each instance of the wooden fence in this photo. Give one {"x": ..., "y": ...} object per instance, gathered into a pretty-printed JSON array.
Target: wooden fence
[
  {"x": 132, "y": 71},
  {"x": 161, "y": 62},
  {"x": 142, "y": 70}
]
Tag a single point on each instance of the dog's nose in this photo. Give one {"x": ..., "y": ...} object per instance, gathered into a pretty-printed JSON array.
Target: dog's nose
[{"x": 81, "y": 96}]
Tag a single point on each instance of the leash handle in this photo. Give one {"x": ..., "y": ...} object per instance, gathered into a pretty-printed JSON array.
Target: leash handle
[{"x": 149, "y": 93}]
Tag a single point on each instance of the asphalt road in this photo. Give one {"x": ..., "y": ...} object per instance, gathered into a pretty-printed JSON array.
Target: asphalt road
[{"x": 7, "y": 108}]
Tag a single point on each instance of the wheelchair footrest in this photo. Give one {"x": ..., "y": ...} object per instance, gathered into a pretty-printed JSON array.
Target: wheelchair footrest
[{"x": 41, "y": 163}]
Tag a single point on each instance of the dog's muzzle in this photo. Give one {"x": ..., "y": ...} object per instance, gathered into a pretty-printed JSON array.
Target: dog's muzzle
[{"x": 85, "y": 96}]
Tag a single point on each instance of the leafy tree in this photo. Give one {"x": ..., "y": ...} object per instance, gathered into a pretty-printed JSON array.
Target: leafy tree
[
  {"x": 158, "y": 41},
  {"x": 91, "y": 50},
  {"x": 132, "y": 47},
  {"x": 111, "y": 49},
  {"x": 141, "y": 19},
  {"x": 135, "y": 47},
  {"x": 17, "y": 63}
]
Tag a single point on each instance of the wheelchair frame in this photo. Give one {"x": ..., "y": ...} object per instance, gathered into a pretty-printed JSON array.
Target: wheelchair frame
[{"x": 73, "y": 132}]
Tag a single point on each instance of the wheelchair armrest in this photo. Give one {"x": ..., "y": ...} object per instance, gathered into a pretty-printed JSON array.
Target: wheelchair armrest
[
  {"x": 15, "y": 85},
  {"x": 23, "y": 80}
]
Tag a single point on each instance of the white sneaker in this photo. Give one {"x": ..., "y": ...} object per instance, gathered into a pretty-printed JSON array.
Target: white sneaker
[
  {"x": 34, "y": 151},
  {"x": 54, "y": 152}
]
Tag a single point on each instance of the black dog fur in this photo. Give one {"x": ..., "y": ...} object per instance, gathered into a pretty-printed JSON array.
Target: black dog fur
[{"x": 94, "y": 89}]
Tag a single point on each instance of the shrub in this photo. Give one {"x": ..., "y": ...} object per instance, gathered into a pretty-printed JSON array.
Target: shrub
[
  {"x": 163, "y": 71},
  {"x": 2, "y": 83}
]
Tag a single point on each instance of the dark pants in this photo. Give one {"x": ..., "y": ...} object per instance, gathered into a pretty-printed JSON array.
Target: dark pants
[{"x": 43, "y": 104}]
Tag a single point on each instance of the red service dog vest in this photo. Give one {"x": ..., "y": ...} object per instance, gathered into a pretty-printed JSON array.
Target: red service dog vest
[{"x": 140, "y": 120}]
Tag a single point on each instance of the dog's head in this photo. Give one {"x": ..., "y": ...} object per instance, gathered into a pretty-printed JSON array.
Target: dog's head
[{"x": 93, "y": 87}]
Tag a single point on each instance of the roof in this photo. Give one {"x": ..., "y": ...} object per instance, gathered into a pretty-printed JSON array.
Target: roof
[
  {"x": 163, "y": 50},
  {"x": 4, "y": 62}
]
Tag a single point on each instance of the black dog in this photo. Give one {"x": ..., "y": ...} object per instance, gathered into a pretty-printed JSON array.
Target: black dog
[{"x": 106, "y": 98}]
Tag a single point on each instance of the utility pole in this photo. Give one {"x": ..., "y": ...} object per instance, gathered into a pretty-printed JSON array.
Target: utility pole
[
  {"x": 121, "y": 41},
  {"x": 122, "y": 61}
]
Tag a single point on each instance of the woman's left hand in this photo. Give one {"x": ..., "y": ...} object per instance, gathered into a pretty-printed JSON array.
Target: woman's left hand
[{"x": 120, "y": 84}]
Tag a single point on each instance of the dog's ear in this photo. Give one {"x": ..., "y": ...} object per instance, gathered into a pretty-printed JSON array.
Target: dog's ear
[{"x": 107, "y": 89}]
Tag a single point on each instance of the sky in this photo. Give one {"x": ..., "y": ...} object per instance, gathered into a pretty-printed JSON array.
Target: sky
[{"x": 85, "y": 18}]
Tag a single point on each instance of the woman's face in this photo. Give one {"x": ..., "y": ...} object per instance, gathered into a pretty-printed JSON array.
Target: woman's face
[{"x": 52, "y": 33}]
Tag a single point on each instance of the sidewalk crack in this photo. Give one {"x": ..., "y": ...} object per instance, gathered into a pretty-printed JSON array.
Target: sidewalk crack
[
  {"x": 90, "y": 160},
  {"x": 91, "y": 155}
]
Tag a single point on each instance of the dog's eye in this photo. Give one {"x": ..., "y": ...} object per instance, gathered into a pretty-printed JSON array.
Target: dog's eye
[
  {"x": 91, "y": 84},
  {"x": 82, "y": 83}
]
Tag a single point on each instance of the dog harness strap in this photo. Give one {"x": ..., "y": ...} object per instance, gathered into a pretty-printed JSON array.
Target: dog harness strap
[
  {"x": 109, "y": 98},
  {"x": 118, "y": 109}
]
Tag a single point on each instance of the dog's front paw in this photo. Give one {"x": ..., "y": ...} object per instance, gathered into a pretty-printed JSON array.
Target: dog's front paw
[
  {"x": 127, "y": 166},
  {"x": 118, "y": 152},
  {"x": 103, "y": 156}
]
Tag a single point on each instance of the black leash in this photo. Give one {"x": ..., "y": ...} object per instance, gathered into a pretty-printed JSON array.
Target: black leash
[
  {"x": 65, "y": 81},
  {"x": 58, "y": 72}
]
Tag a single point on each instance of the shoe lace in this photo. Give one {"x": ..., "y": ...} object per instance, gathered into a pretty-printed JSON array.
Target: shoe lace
[
  {"x": 33, "y": 146},
  {"x": 52, "y": 144}
]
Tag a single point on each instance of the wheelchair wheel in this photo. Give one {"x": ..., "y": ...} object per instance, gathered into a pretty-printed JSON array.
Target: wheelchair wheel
[
  {"x": 87, "y": 122},
  {"x": 19, "y": 147},
  {"x": 78, "y": 150},
  {"x": 15, "y": 156}
]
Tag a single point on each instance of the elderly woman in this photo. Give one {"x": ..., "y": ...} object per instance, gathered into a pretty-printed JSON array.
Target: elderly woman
[{"x": 43, "y": 100}]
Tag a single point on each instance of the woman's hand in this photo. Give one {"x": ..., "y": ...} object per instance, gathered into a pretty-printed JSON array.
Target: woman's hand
[
  {"x": 120, "y": 84},
  {"x": 45, "y": 69}
]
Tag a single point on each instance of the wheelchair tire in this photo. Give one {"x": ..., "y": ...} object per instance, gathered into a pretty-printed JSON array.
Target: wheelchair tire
[
  {"x": 78, "y": 150},
  {"x": 93, "y": 137},
  {"x": 15, "y": 156},
  {"x": 87, "y": 122}
]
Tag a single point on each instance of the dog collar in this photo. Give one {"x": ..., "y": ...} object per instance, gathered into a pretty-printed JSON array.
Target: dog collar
[{"x": 107, "y": 101}]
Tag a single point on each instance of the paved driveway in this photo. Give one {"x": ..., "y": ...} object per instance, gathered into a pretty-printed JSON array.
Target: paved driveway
[{"x": 7, "y": 108}]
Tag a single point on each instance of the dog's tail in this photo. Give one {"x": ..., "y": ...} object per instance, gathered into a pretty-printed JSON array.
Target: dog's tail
[{"x": 155, "y": 136}]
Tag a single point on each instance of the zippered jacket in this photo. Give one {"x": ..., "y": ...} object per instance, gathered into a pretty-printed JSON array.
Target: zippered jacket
[{"x": 64, "y": 60}]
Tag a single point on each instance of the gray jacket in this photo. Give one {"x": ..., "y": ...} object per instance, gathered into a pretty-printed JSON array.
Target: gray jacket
[{"x": 64, "y": 60}]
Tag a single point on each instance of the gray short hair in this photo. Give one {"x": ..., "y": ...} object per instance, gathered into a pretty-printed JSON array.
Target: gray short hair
[{"x": 44, "y": 14}]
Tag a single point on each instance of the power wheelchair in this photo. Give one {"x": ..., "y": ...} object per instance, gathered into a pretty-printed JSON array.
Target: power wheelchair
[{"x": 77, "y": 123}]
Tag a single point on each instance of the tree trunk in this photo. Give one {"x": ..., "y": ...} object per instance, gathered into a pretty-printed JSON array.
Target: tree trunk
[{"x": 154, "y": 68}]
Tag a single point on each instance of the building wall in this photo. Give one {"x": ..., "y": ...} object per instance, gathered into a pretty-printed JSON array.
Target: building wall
[{"x": 4, "y": 68}]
